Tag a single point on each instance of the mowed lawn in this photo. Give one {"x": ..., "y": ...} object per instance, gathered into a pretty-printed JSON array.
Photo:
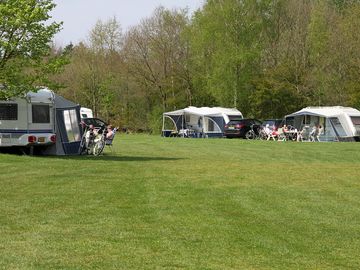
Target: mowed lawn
[{"x": 172, "y": 203}]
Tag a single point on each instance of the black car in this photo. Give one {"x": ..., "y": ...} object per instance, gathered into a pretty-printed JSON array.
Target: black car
[
  {"x": 96, "y": 122},
  {"x": 238, "y": 128}
]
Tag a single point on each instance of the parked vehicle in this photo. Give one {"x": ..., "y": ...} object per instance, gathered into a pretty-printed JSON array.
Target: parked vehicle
[
  {"x": 41, "y": 122},
  {"x": 86, "y": 113},
  {"x": 96, "y": 122},
  {"x": 239, "y": 128}
]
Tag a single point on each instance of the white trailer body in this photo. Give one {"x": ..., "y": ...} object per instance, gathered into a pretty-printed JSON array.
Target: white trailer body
[
  {"x": 86, "y": 113},
  {"x": 28, "y": 121}
]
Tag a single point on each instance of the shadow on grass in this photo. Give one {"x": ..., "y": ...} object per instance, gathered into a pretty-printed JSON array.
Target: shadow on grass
[
  {"x": 104, "y": 157},
  {"x": 112, "y": 158}
]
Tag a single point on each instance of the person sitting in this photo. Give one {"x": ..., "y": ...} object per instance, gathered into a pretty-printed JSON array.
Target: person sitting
[
  {"x": 109, "y": 136},
  {"x": 300, "y": 134},
  {"x": 110, "y": 132},
  {"x": 285, "y": 129},
  {"x": 314, "y": 132},
  {"x": 268, "y": 131},
  {"x": 274, "y": 133},
  {"x": 280, "y": 134},
  {"x": 319, "y": 132}
]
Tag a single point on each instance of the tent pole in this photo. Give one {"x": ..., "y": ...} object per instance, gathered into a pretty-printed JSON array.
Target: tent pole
[
  {"x": 163, "y": 125},
  {"x": 203, "y": 125},
  {"x": 182, "y": 124}
]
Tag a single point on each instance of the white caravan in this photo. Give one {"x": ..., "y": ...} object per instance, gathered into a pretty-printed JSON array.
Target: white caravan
[
  {"x": 41, "y": 120},
  {"x": 86, "y": 113},
  {"x": 28, "y": 121}
]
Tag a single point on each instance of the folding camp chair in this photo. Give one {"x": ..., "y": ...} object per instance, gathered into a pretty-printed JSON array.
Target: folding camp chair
[
  {"x": 320, "y": 131},
  {"x": 280, "y": 135},
  {"x": 109, "y": 141}
]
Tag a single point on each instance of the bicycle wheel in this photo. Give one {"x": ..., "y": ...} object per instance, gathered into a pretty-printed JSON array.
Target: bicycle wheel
[
  {"x": 83, "y": 147},
  {"x": 98, "y": 147},
  {"x": 263, "y": 135},
  {"x": 250, "y": 135}
]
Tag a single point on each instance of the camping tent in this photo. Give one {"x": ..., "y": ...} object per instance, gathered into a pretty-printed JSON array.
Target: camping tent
[
  {"x": 199, "y": 122},
  {"x": 67, "y": 127},
  {"x": 338, "y": 123},
  {"x": 41, "y": 121}
]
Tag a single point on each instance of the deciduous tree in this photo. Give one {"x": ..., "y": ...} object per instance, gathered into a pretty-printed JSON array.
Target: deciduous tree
[{"x": 25, "y": 45}]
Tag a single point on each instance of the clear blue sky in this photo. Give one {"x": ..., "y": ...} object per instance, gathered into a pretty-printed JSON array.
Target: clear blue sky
[{"x": 79, "y": 16}]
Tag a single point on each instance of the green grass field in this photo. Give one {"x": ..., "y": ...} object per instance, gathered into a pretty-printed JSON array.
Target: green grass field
[{"x": 169, "y": 203}]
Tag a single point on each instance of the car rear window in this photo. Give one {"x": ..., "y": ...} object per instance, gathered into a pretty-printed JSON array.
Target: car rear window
[
  {"x": 234, "y": 122},
  {"x": 272, "y": 122},
  {"x": 88, "y": 121},
  {"x": 235, "y": 118},
  {"x": 94, "y": 121},
  {"x": 99, "y": 123}
]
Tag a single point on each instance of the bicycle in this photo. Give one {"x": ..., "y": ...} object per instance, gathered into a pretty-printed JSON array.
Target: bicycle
[
  {"x": 92, "y": 143},
  {"x": 256, "y": 132},
  {"x": 86, "y": 141},
  {"x": 99, "y": 143}
]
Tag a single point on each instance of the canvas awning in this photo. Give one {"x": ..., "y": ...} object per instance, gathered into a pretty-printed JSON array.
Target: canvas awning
[
  {"x": 338, "y": 121},
  {"x": 205, "y": 111},
  {"x": 63, "y": 103},
  {"x": 325, "y": 111},
  {"x": 204, "y": 120}
]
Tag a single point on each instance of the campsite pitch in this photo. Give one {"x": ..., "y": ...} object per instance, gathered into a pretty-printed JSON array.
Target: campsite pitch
[{"x": 169, "y": 203}]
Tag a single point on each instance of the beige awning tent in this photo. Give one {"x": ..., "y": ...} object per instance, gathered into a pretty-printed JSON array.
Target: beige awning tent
[
  {"x": 338, "y": 123},
  {"x": 202, "y": 122}
]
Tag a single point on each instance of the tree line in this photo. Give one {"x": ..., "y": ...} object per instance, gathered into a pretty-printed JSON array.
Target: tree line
[{"x": 267, "y": 58}]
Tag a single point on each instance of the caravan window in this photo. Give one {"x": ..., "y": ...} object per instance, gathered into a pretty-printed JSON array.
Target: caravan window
[
  {"x": 306, "y": 120},
  {"x": 8, "y": 111},
  {"x": 356, "y": 122},
  {"x": 338, "y": 127},
  {"x": 72, "y": 125},
  {"x": 212, "y": 126},
  {"x": 41, "y": 114}
]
